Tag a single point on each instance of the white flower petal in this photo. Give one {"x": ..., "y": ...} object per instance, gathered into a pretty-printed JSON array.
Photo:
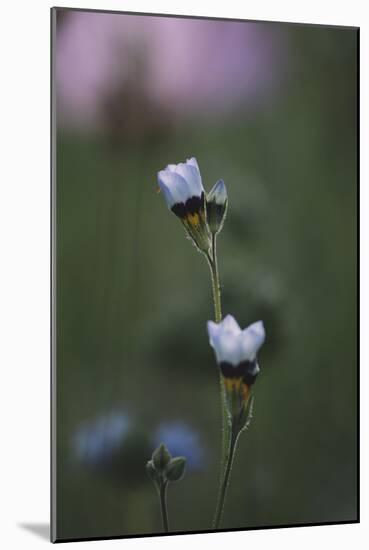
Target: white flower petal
[
  {"x": 227, "y": 347},
  {"x": 174, "y": 187},
  {"x": 233, "y": 345},
  {"x": 191, "y": 174},
  {"x": 230, "y": 324},
  {"x": 193, "y": 162},
  {"x": 218, "y": 193},
  {"x": 213, "y": 329},
  {"x": 166, "y": 192},
  {"x": 224, "y": 338},
  {"x": 257, "y": 329},
  {"x": 252, "y": 338}
]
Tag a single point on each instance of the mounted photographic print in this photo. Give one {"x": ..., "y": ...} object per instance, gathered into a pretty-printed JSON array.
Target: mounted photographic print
[{"x": 204, "y": 274}]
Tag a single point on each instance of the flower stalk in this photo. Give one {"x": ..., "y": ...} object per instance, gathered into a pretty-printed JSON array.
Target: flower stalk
[
  {"x": 240, "y": 421},
  {"x": 225, "y": 478},
  {"x": 226, "y": 439},
  {"x": 213, "y": 264},
  {"x": 161, "y": 469},
  {"x": 163, "y": 506}
]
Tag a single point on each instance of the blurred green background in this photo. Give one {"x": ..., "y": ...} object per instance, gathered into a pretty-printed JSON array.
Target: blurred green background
[{"x": 134, "y": 365}]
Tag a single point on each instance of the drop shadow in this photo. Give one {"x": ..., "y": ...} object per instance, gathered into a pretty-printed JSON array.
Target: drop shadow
[{"x": 42, "y": 530}]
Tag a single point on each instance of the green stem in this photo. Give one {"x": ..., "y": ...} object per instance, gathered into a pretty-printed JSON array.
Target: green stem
[
  {"x": 225, "y": 482},
  {"x": 213, "y": 264},
  {"x": 163, "y": 506}
]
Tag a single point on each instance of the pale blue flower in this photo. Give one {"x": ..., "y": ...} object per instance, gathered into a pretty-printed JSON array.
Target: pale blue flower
[
  {"x": 233, "y": 345},
  {"x": 185, "y": 196},
  {"x": 235, "y": 351},
  {"x": 95, "y": 442},
  {"x": 180, "y": 182}
]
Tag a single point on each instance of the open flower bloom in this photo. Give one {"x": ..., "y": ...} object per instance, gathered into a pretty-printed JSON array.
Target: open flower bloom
[
  {"x": 236, "y": 351},
  {"x": 184, "y": 194}
]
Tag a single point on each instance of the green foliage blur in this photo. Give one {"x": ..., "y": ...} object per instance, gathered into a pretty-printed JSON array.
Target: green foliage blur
[{"x": 133, "y": 298}]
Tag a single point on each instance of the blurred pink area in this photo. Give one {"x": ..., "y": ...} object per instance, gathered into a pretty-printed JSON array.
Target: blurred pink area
[{"x": 182, "y": 66}]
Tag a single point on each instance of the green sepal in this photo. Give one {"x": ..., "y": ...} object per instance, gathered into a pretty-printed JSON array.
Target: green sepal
[
  {"x": 151, "y": 471},
  {"x": 246, "y": 415},
  {"x": 176, "y": 468},
  {"x": 161, "y": 458}
]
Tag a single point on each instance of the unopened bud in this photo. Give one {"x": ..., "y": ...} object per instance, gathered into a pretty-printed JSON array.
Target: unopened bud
[
  {"x": 151, "y": 472},
  {"x": 161, "y": 458},
  {"x": 176, "y": 468},
  {"x": 216, "y": 206}
]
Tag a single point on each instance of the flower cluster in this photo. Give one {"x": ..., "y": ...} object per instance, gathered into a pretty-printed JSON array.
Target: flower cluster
[
  {"x": 162, "y": 468},
  {"x": 203, "y": 217}
]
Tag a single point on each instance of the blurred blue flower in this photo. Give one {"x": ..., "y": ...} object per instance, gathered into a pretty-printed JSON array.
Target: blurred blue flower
[
  {"x": 181, "y": 440},
  {"x": 95, "y": 443}
]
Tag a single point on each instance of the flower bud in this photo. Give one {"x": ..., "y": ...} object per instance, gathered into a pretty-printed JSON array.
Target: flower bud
[
  {"x": 216, "y": 206},
  {"x": 161, "y": 458},
  {"x": 176, "y": 468},
  {"x": 151, "y": 472}
]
